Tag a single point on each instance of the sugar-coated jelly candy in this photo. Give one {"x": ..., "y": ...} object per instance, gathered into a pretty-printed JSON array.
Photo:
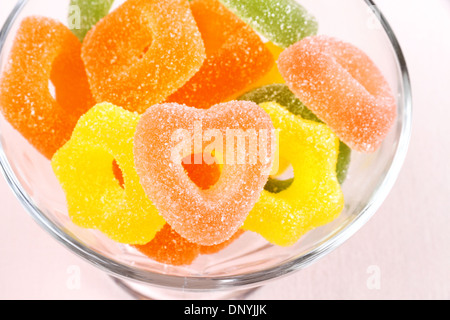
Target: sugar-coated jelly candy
[
  {"x": 281, "y": 94},
  {"x": 142, "y": 52},
  {"x": 170, "y": 248},
  {"x": 343, "y": 164},
  {"x": 95, "y": 199},
  {"x": 272, "y": 77},
  {"x": 204, "y": 175},
  {"x": 343, "y": 87},
  {"x": 167, "y": 133},
  {"x": 44, "y": 53},
  {"x": 219, "y": 247},
  {"x": 315, "y": 196},
  {"x": 84, "y": 14},
  {"x": 284, "y": 22},
  {"x": 236, "y": 57}
]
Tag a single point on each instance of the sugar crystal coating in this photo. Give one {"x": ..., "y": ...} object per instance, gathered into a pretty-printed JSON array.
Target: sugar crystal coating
[
  {"x": 283, "y": 22},
  {"x": 315, "y": 197},
  {"x": 206, "y": 217},
  {"x": 343, "y": 87},
  {"x": 170, "y": 248},
  {"x": 84, "y": 168},
  {"x": 219, "y": 247},
  {"x": 44, "y": 51},
  {"x": 272, "y": 77},
  {"x": 199, "y": 54},
  {"x": 142, "y": 52},
  {"x": 281, "y": 94},
  {"x": 84, "y": 14},
  {"x": 236, "y": 57}
]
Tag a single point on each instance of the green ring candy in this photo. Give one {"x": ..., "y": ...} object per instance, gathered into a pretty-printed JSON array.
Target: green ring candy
[
  {"x": 281, "y": 94},
  {"x": 283, "y": 22},
  {"x": 344, "y": 158},
  {"x": 276, "y": 186},
  {"x": 90, "y": 12}
]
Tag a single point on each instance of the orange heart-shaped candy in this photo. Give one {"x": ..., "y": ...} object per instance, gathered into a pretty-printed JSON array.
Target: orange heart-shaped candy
[{"x": 238, "y": 135}]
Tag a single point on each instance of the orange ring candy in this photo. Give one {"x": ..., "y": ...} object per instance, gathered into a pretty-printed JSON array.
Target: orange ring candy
[
  {"x": 142, "y": 52},
  {"x": 44, "y": 51},
  {"x": 236, "y": 57},
  {"x": 169, "y": 247},
  {"x": 342, "y": 86},
  {"x": 270, "y": 78}
]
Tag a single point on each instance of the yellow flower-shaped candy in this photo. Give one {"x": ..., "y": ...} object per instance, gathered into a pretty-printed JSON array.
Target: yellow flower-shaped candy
[
  {"x": 315, "y": 197},
  {"x": 95, "y": 198}
]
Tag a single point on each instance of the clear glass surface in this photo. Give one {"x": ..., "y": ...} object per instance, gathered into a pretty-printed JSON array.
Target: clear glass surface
[{"x": 250, "y": 261}]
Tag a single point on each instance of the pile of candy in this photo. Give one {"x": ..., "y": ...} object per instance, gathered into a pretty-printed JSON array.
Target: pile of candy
[{"x": 148, "y": 102}]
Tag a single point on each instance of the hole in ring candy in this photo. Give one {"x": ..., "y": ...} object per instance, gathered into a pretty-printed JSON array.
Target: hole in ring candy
[
  {"x": 343, "y": 87},
  {"x": 94, "y": 196},
  {"x": 281, "y": 94},
  {"x": 44, "y": 52},
  {"x": 142, "y": 52},
  {"x": 238, "y": 132},
  {"x": 315, "y": 196},
  {"x": 84, "y": 14},
  {"x": 283, "y": 22},
  {"x": 168, "y": 246},
  {"x": 204, "y": 175},
  {"x": 236, "y": 57}
]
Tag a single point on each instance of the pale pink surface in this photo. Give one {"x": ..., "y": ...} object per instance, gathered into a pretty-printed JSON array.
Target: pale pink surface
[{"x": 406, "y": 243}]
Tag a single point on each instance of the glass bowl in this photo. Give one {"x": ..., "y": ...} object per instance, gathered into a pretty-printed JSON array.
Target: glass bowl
[{"x": 250, "y": 261}]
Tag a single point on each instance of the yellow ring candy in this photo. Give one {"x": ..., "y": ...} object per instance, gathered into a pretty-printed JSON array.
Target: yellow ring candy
[
  {"x": 94, "y": 196},
  {"x": 315, "y": 197}
]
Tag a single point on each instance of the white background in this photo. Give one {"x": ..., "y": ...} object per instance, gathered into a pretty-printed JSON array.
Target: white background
[{"x": 406, "y": 243}]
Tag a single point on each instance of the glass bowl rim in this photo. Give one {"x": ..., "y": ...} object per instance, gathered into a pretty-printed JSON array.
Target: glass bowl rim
[{"x": 127, "y": 272}]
